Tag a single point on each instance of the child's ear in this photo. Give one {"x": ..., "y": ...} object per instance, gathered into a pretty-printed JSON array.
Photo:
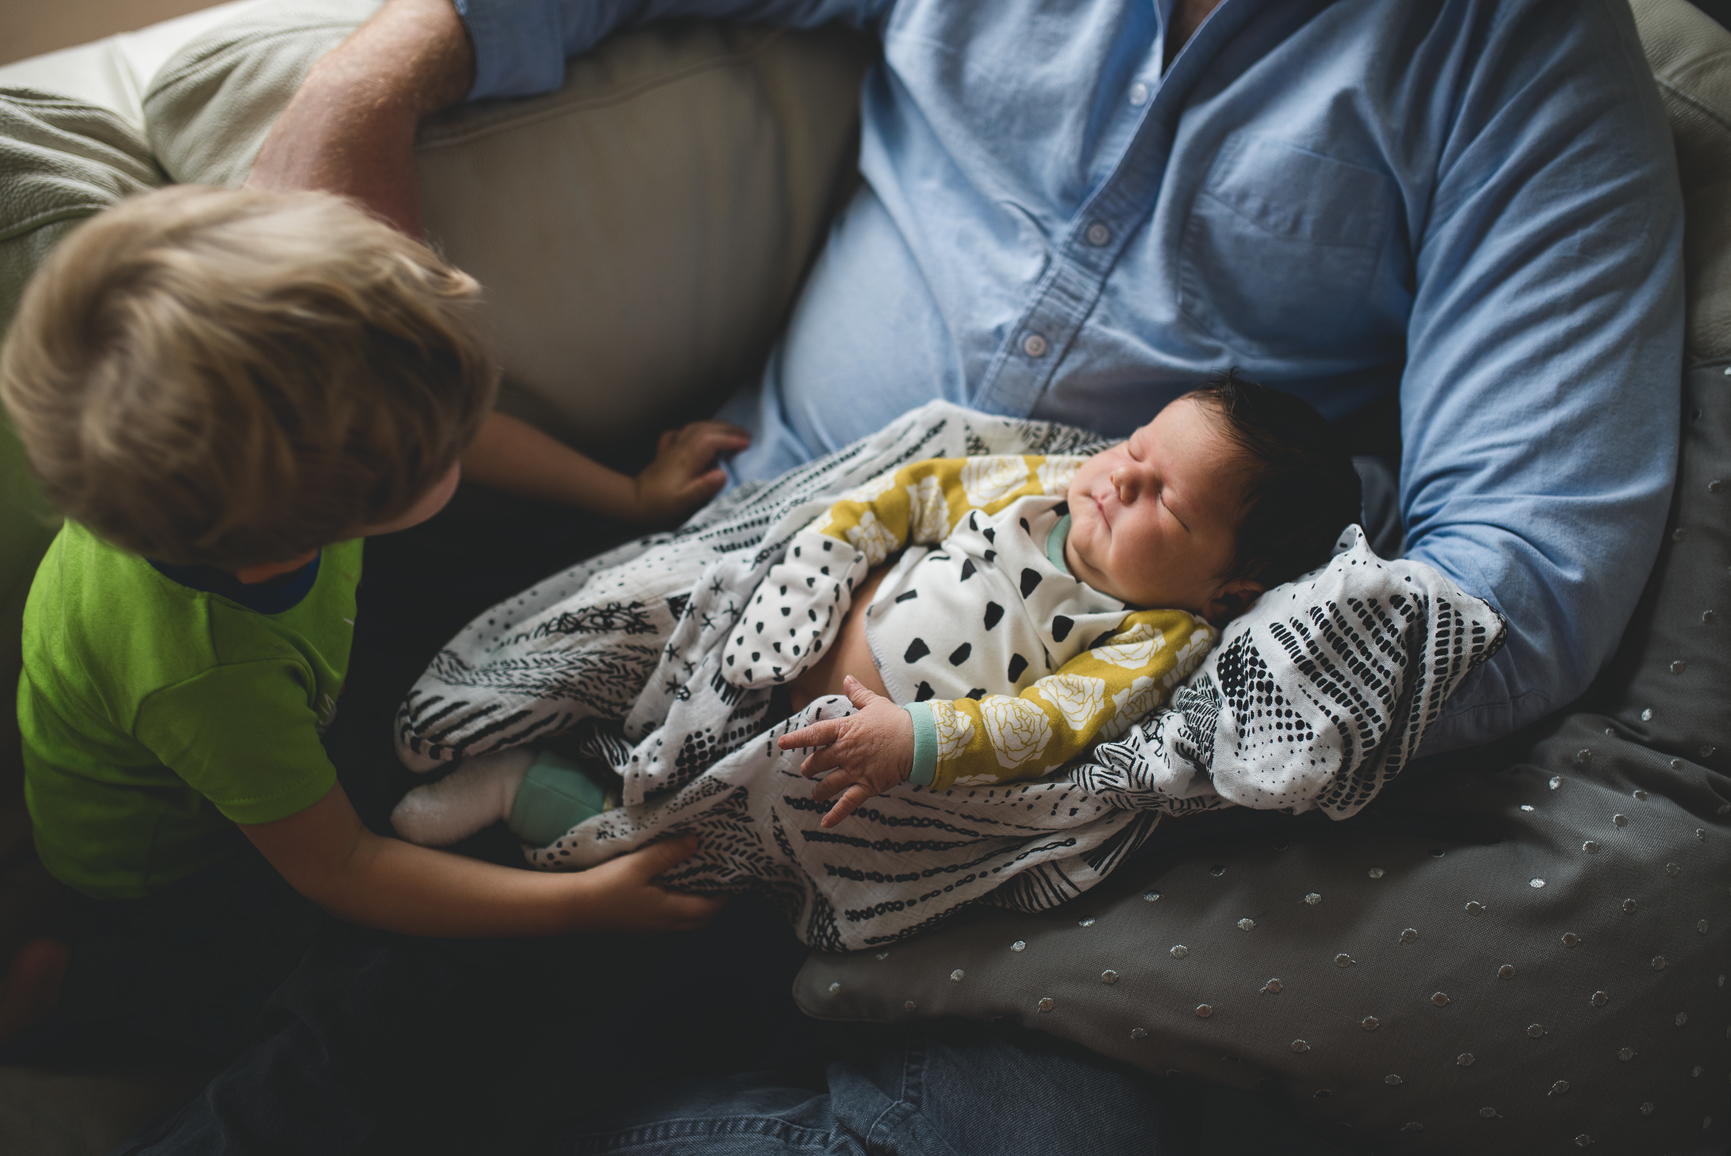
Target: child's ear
[{"x": 1232, "y": 599}]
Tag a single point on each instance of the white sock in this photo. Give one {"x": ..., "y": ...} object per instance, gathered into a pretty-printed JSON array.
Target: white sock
[{"x": 479, "y": 793}]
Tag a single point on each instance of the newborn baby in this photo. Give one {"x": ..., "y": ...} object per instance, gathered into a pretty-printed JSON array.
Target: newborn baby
[{"x": 1040, "y": 604}]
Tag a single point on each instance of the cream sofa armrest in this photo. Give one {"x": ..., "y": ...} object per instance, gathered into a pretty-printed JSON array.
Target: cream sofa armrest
[
  {"x": 641, "y": 232},
  {"x": 112, "y": 73}
]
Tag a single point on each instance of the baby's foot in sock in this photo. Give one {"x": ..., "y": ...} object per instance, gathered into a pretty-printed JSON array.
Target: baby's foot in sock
[{"x": 477, "y": 794}]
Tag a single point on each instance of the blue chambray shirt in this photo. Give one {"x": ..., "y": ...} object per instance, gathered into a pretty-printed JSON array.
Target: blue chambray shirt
[{"x": 1474, "y": 204}]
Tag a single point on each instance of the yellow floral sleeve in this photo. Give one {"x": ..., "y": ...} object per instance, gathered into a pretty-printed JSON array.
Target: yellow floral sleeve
[
  {"x": 1098, "y": 694},
  {"x": 921, "y": 503}
]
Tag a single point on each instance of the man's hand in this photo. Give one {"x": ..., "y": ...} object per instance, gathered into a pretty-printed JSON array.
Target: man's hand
[
  {"x": 864, "y": 754},
  {"x": 350, "y": 128},
  {"x": 684, "y": 474}
]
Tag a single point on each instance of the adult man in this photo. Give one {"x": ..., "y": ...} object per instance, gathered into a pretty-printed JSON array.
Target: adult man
[{"x": 1073, "y": 211}]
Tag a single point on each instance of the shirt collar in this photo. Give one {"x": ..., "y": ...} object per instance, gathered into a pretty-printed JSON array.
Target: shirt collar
[{"x": 261, "y": 597}]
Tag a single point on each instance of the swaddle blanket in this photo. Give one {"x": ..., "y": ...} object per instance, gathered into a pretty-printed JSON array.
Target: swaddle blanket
[{"x": 1315, "y": 699}]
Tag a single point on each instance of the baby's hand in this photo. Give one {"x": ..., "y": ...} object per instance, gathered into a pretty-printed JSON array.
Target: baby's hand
[
  {"x": 684, "y": 474},
  {"x": 865, "y": 753}
]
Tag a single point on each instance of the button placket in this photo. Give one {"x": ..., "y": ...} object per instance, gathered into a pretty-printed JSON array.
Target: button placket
[{"x": 1126, "y": 198}]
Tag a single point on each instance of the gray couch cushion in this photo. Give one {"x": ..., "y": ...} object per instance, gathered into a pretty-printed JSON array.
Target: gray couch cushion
[
  {"x": 641, "y": 232},
  {"x": 1691, "y": 59}
]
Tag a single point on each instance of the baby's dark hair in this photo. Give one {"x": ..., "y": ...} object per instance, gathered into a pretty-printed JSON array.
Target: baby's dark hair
[{"x": 1301, "y": 490}]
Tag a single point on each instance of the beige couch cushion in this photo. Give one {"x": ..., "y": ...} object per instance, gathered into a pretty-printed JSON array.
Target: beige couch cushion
[
  {"x": 641, "y": 232},
  {"x": 111, "y": 73}
]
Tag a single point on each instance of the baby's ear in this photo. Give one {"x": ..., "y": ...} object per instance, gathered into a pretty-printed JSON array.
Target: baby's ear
[{"x": 1232, "y": 599}]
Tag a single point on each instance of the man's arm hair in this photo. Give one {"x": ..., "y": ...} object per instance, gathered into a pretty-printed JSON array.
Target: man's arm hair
[{"x": 350, "y": 128}]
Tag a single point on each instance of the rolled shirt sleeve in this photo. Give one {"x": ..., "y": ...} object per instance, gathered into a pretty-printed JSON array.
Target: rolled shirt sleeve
[{"x": 521, "y": 45}]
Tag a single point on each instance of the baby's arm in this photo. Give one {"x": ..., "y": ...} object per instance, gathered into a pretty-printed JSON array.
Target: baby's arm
[
  {"x": 327, "y": 855},
  {"x": 862, "y": 755},
  {"x": 1097, "y": 694},
  {"x": 515, "y": 457},
  {"x": 798, "y": 608},
  {"x": 1002, "y": 738}
]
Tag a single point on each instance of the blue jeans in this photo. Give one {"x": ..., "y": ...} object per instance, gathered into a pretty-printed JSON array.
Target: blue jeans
[
  {"x": 955, "y": 1089},
  {"x": 948, "y": 1088}
]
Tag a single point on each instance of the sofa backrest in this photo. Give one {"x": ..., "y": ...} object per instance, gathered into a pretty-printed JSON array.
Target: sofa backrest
[
  {"x": 641, "y": 232},
  {"x": 1691, "y": 58}
]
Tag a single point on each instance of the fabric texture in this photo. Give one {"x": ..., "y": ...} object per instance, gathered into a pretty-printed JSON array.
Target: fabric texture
[
  {"x": 211, "y": 105},
  {"x": 697, "y": 752},
  {"x": 1347, "y": 200},
  {"x": 1011, "y": 665},
  {"x": 143, "y": 746}
]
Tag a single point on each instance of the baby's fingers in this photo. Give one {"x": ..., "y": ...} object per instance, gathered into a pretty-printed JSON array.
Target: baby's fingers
[
  {"x": 818, "y": 734},
  {"x": 844, "y": 806},
  {"x": 838, "y": 780}
]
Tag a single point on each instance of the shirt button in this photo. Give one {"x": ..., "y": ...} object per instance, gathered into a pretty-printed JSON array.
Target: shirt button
[
  {"x": 1098, "y": 234},
  {"x": 1138, "y": 94},
  {"x": 1034, "y": 345}
]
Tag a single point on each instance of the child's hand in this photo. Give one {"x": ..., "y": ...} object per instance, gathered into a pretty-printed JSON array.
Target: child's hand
[
  {"x": 684, "y": 474},
  {"x": 628, "y": 900},
  {"x": 865, "y": 754}
]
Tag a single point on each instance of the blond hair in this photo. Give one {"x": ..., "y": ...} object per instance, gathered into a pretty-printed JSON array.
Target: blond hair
[{"x": 229, "y": 378}]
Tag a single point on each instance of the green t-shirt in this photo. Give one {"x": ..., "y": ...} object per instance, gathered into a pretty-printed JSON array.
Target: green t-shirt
[{"x": 157, "y": 714}]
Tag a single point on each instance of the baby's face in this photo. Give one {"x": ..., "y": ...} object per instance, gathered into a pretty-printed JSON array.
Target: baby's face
[{"x": 1154, "y": 519}]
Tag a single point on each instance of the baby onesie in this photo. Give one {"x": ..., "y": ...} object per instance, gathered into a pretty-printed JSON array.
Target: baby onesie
[{"x": 1008, "y": 665}]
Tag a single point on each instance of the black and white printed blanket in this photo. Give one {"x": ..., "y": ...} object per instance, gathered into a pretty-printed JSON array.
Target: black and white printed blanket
[{"x": 1316, "y": 698}]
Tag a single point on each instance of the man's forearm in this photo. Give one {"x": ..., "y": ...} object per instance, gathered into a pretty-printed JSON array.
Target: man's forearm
[{"x": 350, "y": 128}]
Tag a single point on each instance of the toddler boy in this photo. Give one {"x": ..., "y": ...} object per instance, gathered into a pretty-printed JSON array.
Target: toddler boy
[{"x": 224, "y": 392}]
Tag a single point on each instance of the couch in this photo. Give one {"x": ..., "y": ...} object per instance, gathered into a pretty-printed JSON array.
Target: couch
[{"x": 642, "y": 233}]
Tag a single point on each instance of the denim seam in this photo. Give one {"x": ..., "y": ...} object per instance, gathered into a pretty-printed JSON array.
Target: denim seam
[
  {"x": 909, "y": 1096},
  {"x": 698, "y": 1127}
]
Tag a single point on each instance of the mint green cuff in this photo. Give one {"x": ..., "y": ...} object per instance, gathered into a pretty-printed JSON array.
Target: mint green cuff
[{"x": 925, "y": 744}]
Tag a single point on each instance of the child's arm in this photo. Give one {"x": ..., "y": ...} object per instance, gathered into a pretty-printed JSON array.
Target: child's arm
[
  {"x": 515, "y": 457},
  {"x": 1002, "y": 738},
  {"x": 327, "y": 855}
]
